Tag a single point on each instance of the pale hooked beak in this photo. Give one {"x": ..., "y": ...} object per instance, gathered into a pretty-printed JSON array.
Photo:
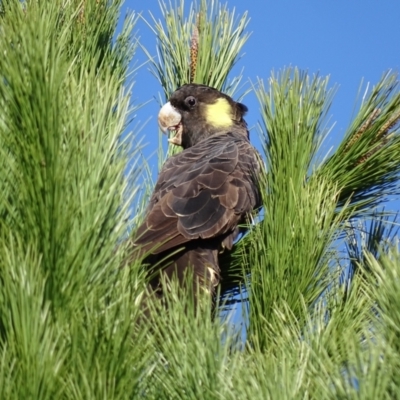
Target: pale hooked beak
[{"x": 170, "y": 120}]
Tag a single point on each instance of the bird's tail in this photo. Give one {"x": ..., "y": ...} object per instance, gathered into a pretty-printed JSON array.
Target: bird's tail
[{"x": 198, "y": 260}]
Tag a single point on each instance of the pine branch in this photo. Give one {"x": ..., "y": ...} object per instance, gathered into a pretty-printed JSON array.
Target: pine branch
[
  {"x": 201, "y": 47},
  {"x": 365, "y": 165}
]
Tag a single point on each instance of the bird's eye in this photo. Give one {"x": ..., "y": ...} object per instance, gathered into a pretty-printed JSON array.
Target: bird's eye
[{"x": 190, "y": 101}]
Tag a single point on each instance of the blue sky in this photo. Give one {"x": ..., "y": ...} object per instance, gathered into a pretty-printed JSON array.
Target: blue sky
[{"x": 349, "y": 40}]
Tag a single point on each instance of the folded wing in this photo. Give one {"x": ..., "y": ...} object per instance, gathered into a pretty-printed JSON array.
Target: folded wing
[{"x": 203, "y": 192}]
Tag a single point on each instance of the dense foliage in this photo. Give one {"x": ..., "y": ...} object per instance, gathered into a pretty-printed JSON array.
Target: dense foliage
[{"x": 321, "y": 266}]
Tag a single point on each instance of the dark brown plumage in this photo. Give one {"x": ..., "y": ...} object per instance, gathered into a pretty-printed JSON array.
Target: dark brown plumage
[{"x": 203, "y": 193}]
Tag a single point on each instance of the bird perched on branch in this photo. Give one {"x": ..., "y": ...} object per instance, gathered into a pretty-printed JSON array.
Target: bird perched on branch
[{"x": 203, "y": 193}]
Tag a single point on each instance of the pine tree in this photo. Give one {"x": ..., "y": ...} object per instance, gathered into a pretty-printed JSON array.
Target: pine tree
[{"x": 320, "y": 265}]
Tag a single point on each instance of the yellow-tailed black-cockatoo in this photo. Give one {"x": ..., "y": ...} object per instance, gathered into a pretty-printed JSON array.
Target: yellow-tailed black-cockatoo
[{"x": 203, "y": 193}]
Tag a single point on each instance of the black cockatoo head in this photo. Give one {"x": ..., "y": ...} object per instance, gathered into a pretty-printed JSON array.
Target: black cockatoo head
[{"x": 195, "y": 112}]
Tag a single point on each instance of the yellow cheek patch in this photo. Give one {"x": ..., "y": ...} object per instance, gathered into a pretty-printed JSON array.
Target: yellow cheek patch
[{"x": 219, "y": 114}]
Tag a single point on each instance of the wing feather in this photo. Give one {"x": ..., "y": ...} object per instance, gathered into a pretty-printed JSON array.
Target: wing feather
[{"x": 203, "y": 192}]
